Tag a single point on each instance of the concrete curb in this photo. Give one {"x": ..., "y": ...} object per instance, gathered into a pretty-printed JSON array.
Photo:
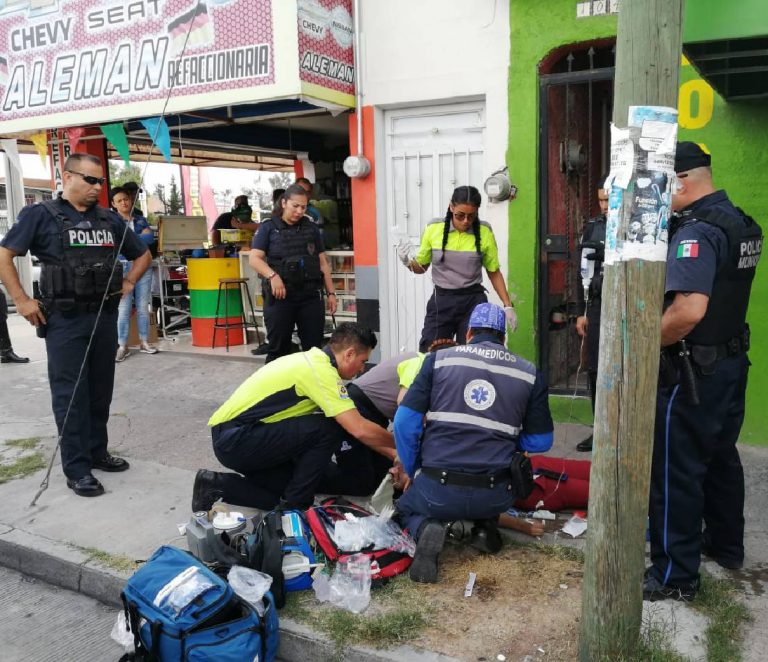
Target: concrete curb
[{"x": 71, "y": 568}]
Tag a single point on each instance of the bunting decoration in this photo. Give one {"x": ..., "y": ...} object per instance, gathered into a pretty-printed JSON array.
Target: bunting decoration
[
  {"x": 73, "y": 136},
  {"x": 157, "y": 128},
  {"x": 115, "y": 134},
  {"x": 11, "y": 148},
  {"x": 40, "y": 141}
]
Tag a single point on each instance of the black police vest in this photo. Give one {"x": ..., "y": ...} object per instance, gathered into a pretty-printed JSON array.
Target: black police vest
[
  {"x": 727, "y": 310},
  {"x": 89, "y": 266},
  {"x": 293, "y": 254},
  {"x": 594, "y": 237}
]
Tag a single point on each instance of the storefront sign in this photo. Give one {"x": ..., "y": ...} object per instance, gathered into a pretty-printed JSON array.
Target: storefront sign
[
  {"x": 326, "y": 62},
  {"x": 72, "y": 62}
]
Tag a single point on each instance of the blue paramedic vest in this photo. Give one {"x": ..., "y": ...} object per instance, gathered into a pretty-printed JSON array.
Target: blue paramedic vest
[{"x": 479, "y": 398}]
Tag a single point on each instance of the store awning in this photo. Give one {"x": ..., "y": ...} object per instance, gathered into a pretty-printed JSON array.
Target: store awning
[
  {"x": 201, "y": 65},
  {"x": 727, "y": 43}
]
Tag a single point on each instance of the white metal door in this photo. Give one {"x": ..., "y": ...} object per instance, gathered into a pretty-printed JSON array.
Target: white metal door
[{"x": 429, "y": 151}]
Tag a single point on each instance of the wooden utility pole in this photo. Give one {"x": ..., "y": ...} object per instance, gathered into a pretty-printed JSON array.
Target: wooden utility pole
[{"x": 647, "y": 68}]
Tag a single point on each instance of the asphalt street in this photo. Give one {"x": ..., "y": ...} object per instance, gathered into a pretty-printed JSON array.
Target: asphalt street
[{"x": 45, "y": 623}]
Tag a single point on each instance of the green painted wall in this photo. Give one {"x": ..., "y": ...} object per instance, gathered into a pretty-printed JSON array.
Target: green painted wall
[{"x": 735, "y": 133}]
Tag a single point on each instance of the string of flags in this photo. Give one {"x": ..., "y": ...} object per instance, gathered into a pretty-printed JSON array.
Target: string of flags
[{"x": 156, "y": 127}]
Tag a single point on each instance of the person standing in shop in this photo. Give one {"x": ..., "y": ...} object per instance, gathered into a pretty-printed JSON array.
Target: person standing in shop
[
  {"x": 289, "y": 254},
  {"x": 123, "y": 203},
  {"x": 457, "y": 247}
]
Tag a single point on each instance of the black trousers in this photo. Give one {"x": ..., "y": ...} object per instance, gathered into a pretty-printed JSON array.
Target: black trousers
[
  {"x": 697, "y": 475},
  {"x": 84, "y": 437},
  {"x": 448, "y": 315},
  {"x": 305, "y": 312},
  {"x": 284, "y": 459},
  {"x": 358, "y": 470},
  {"x": 5, "y": 337}
]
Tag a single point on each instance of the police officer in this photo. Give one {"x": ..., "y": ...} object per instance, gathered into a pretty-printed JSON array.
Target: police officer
[
  {"x": 7, "y": 355},
  {"x": 281, "y": 426},
  {"x": 457, "y": 247},
  {"x": 696, "y": 471},
  {"x": 588, "y": 326},
  {"x": 482, "y": 404},
  {"x": 289, "y": 254},
  {"x": 77, "y": 243}
]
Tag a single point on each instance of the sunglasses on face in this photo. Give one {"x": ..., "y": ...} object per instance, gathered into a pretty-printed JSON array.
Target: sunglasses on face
[
  {"x": 89, "y": 179},
  {"x": 460, "y": 216}
]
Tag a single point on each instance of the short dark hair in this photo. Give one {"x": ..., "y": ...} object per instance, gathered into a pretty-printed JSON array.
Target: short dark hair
[
  {"x": 352, "y": 334},
  {"x": 276, "y": 194},
  {"x": 242, "y": 197},
  {"x": 303, "y": 179},
  {"x": 74, "y": 159},
  {"x": 116, "y": 190},
  {"x": 131, "y": 186},
  {"x": 497, "y": 335},
  {"x": 292, "y": 190}
]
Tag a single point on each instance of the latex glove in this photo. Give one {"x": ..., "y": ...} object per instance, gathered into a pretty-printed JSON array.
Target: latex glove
[
  {"x": 511, "y": 315},
  {"x": 404, "y": 252}
]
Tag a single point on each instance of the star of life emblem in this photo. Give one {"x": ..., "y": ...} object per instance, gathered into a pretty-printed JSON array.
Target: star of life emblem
[{"x": 479, "y": 394}]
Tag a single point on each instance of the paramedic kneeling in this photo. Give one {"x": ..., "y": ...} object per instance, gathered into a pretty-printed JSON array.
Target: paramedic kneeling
[
  {"x": 280, "y": 428},
  {"x": 481, "y": 404}
]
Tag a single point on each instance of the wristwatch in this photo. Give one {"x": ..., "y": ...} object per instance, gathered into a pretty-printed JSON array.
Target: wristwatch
[{"x": 272, "y": 275}]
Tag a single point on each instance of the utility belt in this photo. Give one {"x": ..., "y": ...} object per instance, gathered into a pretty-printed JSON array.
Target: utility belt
[
  {"x": 298, "y": 271},
  {"x": 682, "y": 362},
  {"x": 477, "y": 288},
  {"x": 69, "y": 307},
  {"x": 445, "y": 477}
]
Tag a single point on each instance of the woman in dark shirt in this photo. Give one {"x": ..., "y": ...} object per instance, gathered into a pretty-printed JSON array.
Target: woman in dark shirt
[{"x": 289, "y": 255}]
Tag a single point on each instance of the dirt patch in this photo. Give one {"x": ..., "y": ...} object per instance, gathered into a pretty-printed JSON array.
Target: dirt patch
[
  {"x": 518, "y": 607},
  {"x": 526, "y": 601}
]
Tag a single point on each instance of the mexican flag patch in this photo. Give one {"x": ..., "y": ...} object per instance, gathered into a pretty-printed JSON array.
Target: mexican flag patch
[{"x": 688, "y": 248}]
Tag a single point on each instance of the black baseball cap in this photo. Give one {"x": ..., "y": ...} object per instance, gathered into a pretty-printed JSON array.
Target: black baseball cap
[{"x": 689, "y": 156}]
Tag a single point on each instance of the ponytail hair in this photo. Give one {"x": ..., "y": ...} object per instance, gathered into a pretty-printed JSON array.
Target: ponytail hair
[
  {"x": 463, "y": 195},
  {"x": 290, "y": 192}
]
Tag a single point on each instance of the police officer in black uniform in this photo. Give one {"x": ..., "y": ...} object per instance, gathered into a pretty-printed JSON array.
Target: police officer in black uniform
[
  {"x": 77, "y": 243},
  {"x": 481, "y": 404},
  {"x": 588, "y": 326},
  {"x": 696, "y": 471},
  {"x": 289, "y": 254}
]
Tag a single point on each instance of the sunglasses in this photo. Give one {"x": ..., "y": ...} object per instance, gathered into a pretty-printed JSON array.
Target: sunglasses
[
  {"x": 460, "y": 216},
  {"x": 89, "y": 179}
]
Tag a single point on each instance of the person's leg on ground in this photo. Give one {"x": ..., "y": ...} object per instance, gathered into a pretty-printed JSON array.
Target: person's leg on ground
[
  {"x": 310, "y": 322},
  {"x": 66, "y": 341},
  {"x": 7, "y": 355},
  {"x": 723, "y": 538},
  {"x": 142, "y": 294},
  {"x": 280, "y": 319}
]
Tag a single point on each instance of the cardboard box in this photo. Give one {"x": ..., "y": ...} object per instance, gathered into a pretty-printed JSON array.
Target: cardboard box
[{"x": 133, "y": 330}]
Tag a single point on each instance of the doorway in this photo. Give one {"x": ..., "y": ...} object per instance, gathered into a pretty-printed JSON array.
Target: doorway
[{"x": 575, "y": 110}]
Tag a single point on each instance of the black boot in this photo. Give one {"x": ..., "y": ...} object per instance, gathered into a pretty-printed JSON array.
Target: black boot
[
  {"x": 206, "y": 490},
  {"x": 486, "y": 537},
  {"x": 428, "y": 548},
  {"x": 9, "y": 356}
]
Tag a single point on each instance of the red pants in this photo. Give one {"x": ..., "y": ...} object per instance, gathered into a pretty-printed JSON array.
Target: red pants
[{"x": 558, "y": 495}]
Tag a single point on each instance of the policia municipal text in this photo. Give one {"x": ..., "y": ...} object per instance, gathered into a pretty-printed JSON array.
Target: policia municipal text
[{"x": 77, "y": 243}]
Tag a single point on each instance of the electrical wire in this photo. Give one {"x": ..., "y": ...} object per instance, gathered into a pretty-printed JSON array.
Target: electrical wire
[{"x": 46, "y": 479}]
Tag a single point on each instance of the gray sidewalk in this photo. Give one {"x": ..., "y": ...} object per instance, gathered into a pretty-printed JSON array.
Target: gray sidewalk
[{"x": 159, "y": 413}]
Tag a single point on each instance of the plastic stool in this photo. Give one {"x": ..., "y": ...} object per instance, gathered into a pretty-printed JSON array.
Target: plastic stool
[{"x": 225, "y": 284}]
